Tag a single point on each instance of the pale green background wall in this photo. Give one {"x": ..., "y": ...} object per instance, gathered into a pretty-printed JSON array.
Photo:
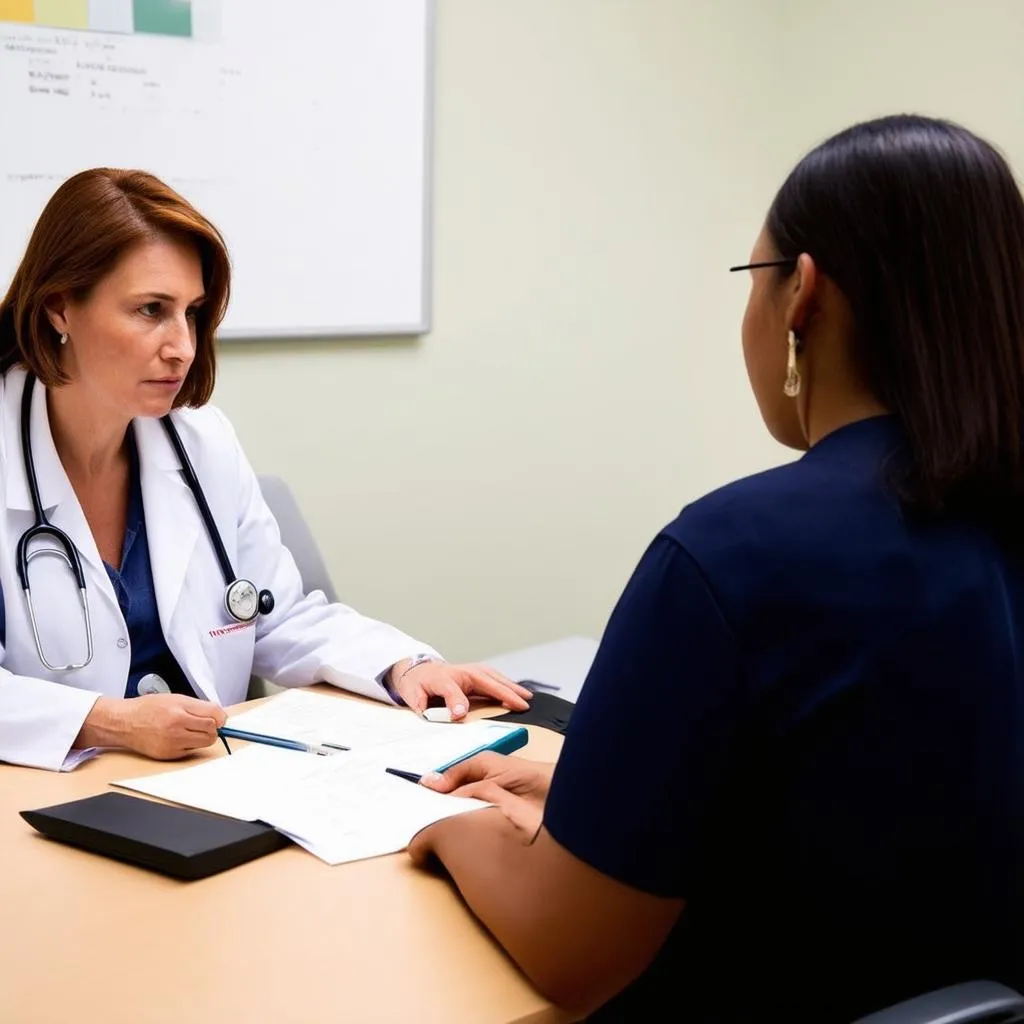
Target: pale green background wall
[{"x": 598, "y": 166}]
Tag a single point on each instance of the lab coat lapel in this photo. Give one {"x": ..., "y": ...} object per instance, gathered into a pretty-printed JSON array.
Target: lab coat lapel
[
  {"x": 172, "y": 518},
  {"x": 173, "y": 526}
]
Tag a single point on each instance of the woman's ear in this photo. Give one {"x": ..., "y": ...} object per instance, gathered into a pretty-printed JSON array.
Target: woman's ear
[
  {"x": 801, "y": 298},
  {"x": 56, "y": 313}
]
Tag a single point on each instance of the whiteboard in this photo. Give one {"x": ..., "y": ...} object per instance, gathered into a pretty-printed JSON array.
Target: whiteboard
[{"x": 301, "y": 128}]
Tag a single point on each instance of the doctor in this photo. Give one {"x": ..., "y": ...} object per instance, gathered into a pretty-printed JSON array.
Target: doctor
[{"x": 151, "y": 561}]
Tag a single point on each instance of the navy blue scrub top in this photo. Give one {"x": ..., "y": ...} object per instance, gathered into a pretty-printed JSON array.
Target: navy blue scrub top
[
  {"x": 806, "y": 719},
  {"x": 136, "y": 595}
]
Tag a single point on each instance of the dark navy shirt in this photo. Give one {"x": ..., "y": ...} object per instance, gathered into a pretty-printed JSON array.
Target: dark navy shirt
[
  {"x": 806, "y": 719},
  {"x": 136, "y": 595}
]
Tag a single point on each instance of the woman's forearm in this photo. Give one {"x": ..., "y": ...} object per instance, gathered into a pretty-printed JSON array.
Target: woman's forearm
[
  {"x": 578, "y": 935},
  {"x": 106, "y": 725},
  {"x": 489, "y": 860}
]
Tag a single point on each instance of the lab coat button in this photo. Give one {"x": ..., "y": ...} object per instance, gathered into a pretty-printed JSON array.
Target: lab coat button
[{"x": 122, "y": 643}]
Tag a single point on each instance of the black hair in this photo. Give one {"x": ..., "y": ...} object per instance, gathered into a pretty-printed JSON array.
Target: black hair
[{"x": 920, "y": 224}]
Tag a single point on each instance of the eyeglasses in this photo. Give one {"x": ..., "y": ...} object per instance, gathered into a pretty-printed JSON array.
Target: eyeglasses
[{"x": 764, "y": 263}]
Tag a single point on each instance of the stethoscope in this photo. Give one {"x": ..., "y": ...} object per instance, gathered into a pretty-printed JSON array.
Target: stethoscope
[{"x": 241, "y": 598}]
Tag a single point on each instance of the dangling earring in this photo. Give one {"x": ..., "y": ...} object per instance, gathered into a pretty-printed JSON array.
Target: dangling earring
[
  {"x": 64, "y": 338},
  {"x": 791, "y": 387}
]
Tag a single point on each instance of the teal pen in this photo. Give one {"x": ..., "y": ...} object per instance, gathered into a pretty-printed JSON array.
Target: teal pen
[
  {"x": 278, "y": 741},
  {"x": 509, "y": 741}
]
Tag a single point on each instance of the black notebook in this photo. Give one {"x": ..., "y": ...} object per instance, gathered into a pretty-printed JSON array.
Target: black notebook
[
  {"x": 545, "y": 709},
  {"x": 175, "y": 841}
]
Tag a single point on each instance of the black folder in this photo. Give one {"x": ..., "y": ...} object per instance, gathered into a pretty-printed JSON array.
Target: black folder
[
  {"x": 175, "y": 841},
  {"x": 545, "y": 709}
]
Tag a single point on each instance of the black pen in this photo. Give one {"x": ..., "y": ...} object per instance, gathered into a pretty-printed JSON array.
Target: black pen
[{"x": 408, "y": 776}]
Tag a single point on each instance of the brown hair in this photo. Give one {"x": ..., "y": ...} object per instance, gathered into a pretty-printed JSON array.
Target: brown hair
[{"x": 86, "y": 227}]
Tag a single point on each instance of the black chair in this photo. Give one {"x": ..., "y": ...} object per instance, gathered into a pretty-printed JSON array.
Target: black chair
[{"x": 973, "y": 1002}]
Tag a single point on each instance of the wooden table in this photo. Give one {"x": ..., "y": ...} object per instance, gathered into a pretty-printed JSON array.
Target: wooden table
[{"x": 282, "y": 939}]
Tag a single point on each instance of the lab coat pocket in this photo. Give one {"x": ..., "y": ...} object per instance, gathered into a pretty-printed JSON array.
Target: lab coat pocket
[{"x": 229, "y": 649}]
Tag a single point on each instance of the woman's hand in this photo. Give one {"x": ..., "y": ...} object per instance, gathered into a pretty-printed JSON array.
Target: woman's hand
[
  {"x": 456, "y": 684},
  {"x": 517, "y": 787},
  {"x": 164, "y": 726}
]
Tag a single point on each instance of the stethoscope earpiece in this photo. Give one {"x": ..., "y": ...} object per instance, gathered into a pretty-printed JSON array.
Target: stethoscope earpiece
[{"x": 266, "y": 601}]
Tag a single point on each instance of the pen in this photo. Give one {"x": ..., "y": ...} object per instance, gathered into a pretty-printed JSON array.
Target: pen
[
  {"x": 278, "y": 741},
  {"x": 413, "y": 777}
]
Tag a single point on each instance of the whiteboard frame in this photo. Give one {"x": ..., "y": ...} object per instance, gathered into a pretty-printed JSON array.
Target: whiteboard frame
[{"x": 425, "y": 325}]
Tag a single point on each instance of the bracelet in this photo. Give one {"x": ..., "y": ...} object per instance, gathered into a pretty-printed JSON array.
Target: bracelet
[{"x": 417, "y": 659}]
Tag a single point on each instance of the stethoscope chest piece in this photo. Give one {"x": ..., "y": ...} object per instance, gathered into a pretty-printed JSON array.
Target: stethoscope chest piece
[
  {"x": 152, "y": 683},
  {"x": 243, "y": 602}
]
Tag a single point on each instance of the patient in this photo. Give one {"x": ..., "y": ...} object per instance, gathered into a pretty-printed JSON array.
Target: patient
[{"x": 793, "y": 787}]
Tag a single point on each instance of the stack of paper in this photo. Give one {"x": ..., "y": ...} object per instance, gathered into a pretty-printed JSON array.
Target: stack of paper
[
  {"x": 403, "y": 740},
  {"x": 342, "y": 807}
]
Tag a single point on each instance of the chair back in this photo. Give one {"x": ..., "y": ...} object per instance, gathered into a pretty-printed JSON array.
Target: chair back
[
  {"x": 297, "y": 536},
  {"x": 298, "y": 539},
  {"x": 973, "y": 1002}
]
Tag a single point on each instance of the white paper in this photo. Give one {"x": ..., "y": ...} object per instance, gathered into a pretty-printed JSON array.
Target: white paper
[
  {"x": 340, "y": 808},
  {"x": 344, "y": 809},
  {"x": 402, "y": 739},
  {"x": 439, "y": 746},
  {"x": 231, "y": 786},
  {"x": 319, "y": 718}
]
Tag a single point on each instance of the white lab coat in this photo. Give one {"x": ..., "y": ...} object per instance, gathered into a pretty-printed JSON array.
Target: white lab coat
[{"x": 304, "y": 640}]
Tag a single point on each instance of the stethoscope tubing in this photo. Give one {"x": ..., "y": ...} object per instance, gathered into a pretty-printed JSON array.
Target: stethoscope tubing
[{"x": 42, "y": 527}]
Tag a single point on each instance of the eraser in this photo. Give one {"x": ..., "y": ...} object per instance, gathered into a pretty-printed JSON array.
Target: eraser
[{"x": 437, "y": 715}]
